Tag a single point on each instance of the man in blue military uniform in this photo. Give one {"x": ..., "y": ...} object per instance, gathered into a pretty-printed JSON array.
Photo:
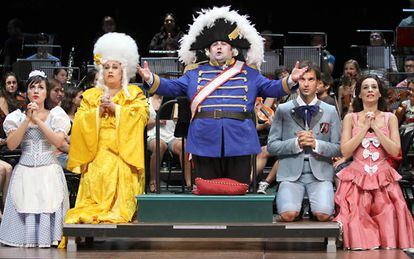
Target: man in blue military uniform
[{"x": 222, "y": 134}]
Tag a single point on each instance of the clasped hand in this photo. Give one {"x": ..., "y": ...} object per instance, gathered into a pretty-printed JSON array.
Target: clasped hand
[
  {"x": 32, "y": 112},
  {"x": 370, "y": 121},
  {"x": 306, "y": 139},
  {"x": 107, "y": 106}
]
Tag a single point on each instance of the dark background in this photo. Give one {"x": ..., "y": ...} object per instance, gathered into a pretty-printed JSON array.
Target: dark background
[{"x": 78, "y": 24}]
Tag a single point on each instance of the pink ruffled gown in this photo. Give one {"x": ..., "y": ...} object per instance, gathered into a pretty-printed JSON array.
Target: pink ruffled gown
[{"x": 370, "y": 205}]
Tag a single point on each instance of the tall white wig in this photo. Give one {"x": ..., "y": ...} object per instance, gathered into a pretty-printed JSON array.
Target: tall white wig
[
  {"x": 208, "y": 25},
  {"x": 118, "y": 47}
]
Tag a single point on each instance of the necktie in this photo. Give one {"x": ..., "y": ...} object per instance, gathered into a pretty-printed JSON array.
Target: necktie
[{"x": 306, "y": 112}]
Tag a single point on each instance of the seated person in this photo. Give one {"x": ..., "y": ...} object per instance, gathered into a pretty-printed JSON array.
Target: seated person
[
  {"x": 91, "y": 79},
  {"x": 61, "y": 75},
  {"x": 377, "y": 38},
  {"x": 328, "y": 62},
  {"x": 263, "y": 125},
  {"x": 56, "y": 93},
  {"x": 169, "y": 35},
  {"x": 70, "y": 104},
  {"x": 167, "y": 141},
  {"x": 305, "y": 135},
  {"x": 405, "y": 112},
  {"x": 324, "y": 88},
  {"x": 408, "y": 68},
  {"x": 42, "y": 52}
]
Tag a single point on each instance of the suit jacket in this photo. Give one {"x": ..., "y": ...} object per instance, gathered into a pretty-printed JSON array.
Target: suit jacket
[{"x": 326, "y": 127}]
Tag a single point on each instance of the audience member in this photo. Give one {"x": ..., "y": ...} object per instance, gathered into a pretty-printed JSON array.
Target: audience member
[
  {"x": 169, "y": 35},
  {"x": 91, "y": 79},
  {"x": 167, "y": 142},
  {"x": 61, "y": 75},
  {"x": 42, "y": 52},
  {"x": 377, "y": 39},
  {"x": 346, "y": 88},
  {"x": 324, "y": 89},
  {"x": 56, "y": 93},
  {"x": 408, "y": 68},
  {"x": 328, "y": 61},
  {"x": 70, "y": 104}
]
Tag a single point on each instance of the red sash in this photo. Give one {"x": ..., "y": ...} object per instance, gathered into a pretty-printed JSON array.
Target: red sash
[{"x": 214, "y": 84}]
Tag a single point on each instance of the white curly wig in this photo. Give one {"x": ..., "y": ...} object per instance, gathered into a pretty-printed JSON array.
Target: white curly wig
[
  {"x": 119, "y": 47},
  {"x": 207, "y": 18}
]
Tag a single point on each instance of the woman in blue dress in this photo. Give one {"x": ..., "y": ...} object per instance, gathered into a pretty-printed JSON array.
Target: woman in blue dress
[{"x": 37, "y": 198}]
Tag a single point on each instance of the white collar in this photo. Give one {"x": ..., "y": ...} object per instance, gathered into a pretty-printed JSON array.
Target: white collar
[{"x": 302, "y": 103}]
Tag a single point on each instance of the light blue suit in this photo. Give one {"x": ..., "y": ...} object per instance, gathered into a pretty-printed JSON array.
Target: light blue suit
[
  {"x": 282, "y": 141},
  {"x": 326, "y": 127}
]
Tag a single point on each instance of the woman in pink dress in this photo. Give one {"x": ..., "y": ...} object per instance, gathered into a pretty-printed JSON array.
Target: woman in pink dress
[{"x": 370, "y": 205}]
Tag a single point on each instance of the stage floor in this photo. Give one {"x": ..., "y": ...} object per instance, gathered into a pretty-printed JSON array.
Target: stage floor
[{"x": 159, "y": 248}]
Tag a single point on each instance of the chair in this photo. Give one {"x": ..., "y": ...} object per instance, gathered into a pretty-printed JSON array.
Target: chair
[
  {"x": 72, "y": 181},
  {"x": 181, "y": 130}
]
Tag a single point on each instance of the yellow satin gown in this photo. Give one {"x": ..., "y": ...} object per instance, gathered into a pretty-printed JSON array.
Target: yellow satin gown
[{"x": 108, "y": 152}]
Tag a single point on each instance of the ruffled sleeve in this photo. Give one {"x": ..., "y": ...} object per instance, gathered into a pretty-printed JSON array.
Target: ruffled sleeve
[
  {"x": 84, "y": 137},
  {"x": 132, "y": 115},
  {"x": 59, "y": 120},
  {"x": 13, "y": 121}
]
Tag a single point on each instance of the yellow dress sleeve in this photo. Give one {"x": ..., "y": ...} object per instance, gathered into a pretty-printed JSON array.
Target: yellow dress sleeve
[
  {"x": 85, "y": 129},
  {"x": 132, "y": 114}
]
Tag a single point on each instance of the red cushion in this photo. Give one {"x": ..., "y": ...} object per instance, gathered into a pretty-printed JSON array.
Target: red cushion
[{"x": 219, "y": 186}]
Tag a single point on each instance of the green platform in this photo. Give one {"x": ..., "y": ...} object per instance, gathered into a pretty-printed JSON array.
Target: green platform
[{"x": 189, "y": 208}]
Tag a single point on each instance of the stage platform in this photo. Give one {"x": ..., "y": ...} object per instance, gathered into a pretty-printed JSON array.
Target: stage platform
[
  {"x": 319, "y": 231},
  {"x": 248, "y": 217},
  {"x": 189, "y": 208}
]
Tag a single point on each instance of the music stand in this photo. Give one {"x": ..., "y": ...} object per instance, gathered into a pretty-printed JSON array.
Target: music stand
[
  {"x": 164, "y": 66},
  {"x": 23, "y": 67},
  {"x": 291, "y": 54},
  {"x": 271, "y": 62},
  {"x": 163, "y": 52},
  {"x": 90, "y": 67},
  {"x": 378, "y": 57}
]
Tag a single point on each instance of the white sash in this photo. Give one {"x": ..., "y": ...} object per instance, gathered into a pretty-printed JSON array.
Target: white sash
[{"x": 214, "y": 84}]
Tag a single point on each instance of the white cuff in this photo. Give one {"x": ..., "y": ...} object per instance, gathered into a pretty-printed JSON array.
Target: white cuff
[
  {"x": 151, "y": 81},
  {"x": 290, "y": 82},
  {"x": 316, "y": 149},
  {"x": 298, "y": 149}
]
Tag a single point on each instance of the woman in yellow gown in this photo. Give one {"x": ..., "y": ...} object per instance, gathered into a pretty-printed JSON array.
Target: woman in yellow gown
[{"x": 107, "y": 141}]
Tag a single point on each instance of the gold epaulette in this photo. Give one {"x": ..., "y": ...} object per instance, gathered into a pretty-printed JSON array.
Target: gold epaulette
[{"x": 193, "y": 66}]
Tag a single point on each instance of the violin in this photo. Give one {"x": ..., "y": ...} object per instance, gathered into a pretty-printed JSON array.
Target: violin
[
  {"x": 347, "y": 101},
  {"x": 400, "y": 113},
  {"x": 263, "y": 112}
]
